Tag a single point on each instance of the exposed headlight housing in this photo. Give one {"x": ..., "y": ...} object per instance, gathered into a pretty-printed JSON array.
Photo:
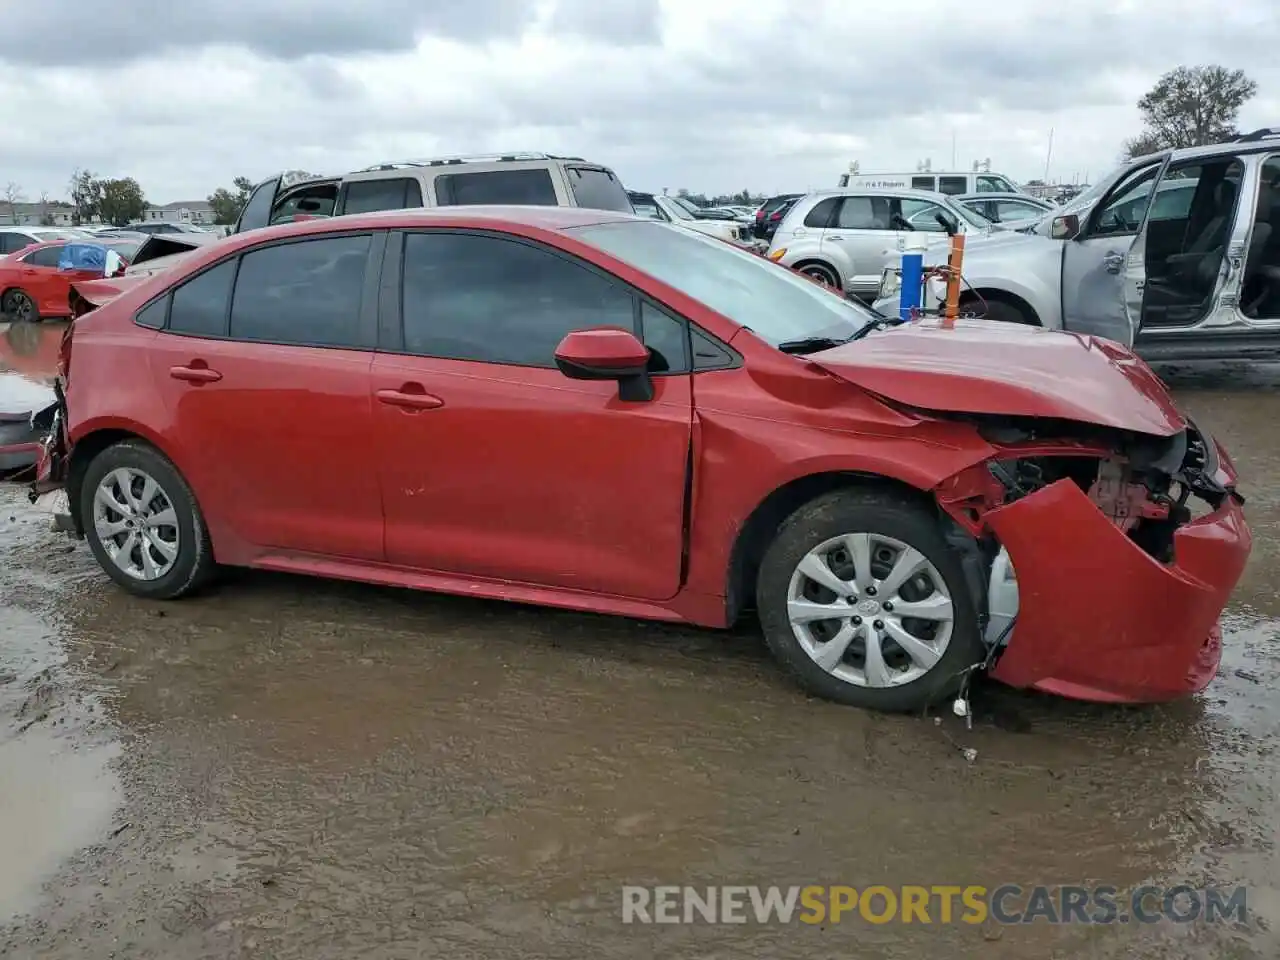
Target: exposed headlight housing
[{"x": 890, "y": 282}]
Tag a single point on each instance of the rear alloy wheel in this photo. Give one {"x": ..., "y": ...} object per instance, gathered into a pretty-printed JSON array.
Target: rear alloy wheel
[
  {"x": 862, "y": 599},
  {"x": 19, "y": 307},
  {"x": 821, "y": 274},
  {"x": 143, "y": 524}
]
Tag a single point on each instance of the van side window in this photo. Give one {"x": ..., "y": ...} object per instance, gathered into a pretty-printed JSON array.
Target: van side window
[
  {"x": 498, "y": 186},
  {"x": 369, "y": 196},
  {"x": 953, "y": 186},
  {"x": 922, "y": 183}
]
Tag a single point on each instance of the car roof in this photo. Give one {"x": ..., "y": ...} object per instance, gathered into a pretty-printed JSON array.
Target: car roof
[
  {"x": 540, "y": 217},
  {"x": 996, "y": 195},
  {"x": 904, "y": 193}
]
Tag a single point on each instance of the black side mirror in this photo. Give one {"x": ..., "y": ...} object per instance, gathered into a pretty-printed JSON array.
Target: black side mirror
[
  {"x": 899, "y": 222},
  {"x": 948, "y": 225}
]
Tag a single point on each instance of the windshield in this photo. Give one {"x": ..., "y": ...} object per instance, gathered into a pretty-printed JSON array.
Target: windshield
[
  {"x": 1086, "y": 197},
  {"x": 674, "y": 210},
  {"x": 688, "y": 205},
  {"x": 975, "y": 220},
  {"x": 773, "y": 302}
]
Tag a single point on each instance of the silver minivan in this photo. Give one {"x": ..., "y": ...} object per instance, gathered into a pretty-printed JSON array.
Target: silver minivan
[{"x": 842, "y": 238}]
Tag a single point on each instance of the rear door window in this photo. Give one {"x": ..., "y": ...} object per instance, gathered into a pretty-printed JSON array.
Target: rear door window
[
  {"x": 598, "y": 189},
  {"x": 44, "y": 257},
  {"x": 532, "y": 187},
  {"x": 200, "y": 305},
  {"x": 305, "y": 293},
  {"x": 864, "y": 213},
  {"x": 370, "y": 196}
]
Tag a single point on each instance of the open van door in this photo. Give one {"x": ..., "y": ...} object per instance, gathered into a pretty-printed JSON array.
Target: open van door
[{"x": 1103, "y": 259}]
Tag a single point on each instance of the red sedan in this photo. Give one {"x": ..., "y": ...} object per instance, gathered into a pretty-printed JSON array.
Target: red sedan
[
  {"x": 588, "y": 410},
  {"x": 35, "y": 281}
]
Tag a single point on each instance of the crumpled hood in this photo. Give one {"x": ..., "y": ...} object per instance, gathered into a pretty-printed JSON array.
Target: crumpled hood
[{"x": 979, "y": 366}]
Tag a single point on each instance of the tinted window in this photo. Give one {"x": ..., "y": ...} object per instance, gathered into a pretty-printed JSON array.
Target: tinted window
[
  {"x": 367, "y": 196},
  {"x": 820, "y": 216},
  {"x": 44, "y": 257},
  {"x": 598, "y": 189},
  {"x": 152, "y": 315},
  {"x": 864, "y": 213},
  {"x": 481, "y": 298},
  {"x": 257, "y": 212},
  {"x": 307, "y": 292},
  {"x": 1013, "y": 210},
  {"x": 990, "y": 184},
  {"x": 922, "y": 183},
  {"x": 12, "y": 242},
  {"x": 532, "y": 187},
  {"x": 707, "y": 354},
  {"x": 667, "y": 340},
  {"x": 200, "y": 304},
  {"x": 953, "y": 185}
]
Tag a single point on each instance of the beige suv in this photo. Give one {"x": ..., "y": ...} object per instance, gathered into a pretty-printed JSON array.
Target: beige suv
[{"x": 537, "y": 179}]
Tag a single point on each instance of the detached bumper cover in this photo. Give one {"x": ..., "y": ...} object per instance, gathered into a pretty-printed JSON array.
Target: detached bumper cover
[{"x": 1099, "y": 618}]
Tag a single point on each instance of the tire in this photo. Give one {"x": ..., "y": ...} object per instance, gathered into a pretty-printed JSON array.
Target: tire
[
  {"x": 1002, "y": 312},
  {"x": 891, "y": 525},
  {"x": 19, "y": 307},
  {"x": 822, "y": 273},
  {"x": 192, "y": 565}
]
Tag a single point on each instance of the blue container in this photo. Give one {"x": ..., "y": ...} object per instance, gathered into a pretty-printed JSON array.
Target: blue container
[{"x": 912, "y": 284}]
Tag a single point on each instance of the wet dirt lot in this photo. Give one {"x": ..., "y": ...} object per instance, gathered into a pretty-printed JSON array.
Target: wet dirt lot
[{"x": 294, "y": 768}]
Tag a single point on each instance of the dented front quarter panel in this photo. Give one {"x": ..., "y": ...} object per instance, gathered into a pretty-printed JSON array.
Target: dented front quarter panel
[{"x": 1100, "y": 619}]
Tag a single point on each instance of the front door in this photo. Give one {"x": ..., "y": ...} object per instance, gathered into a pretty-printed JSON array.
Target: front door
[
  {"x": 266, "y": 388},
  {"x": 1103, "y": 273},
  {"x": 495, "y": 465},
  {"x": 859, "y": 240}
]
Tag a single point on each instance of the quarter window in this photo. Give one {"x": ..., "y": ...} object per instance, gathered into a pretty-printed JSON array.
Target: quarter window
[
  {"x": 533, "y": 187},
  {"x": 200, "y": 305},
  {"x": 307, "y": 292},
  {"x": 821, "y": 215},
  {"x": 473, "y": 297}
]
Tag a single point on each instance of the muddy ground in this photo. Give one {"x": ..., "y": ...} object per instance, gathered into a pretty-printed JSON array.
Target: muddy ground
[{"x": 293, "y": 768}]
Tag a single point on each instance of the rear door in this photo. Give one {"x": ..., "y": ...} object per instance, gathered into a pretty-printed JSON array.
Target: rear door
[
  {"x": 1103, "y": 273},
  {"x": 262, "y": 364},
  {"x": 860, "y": 235}
]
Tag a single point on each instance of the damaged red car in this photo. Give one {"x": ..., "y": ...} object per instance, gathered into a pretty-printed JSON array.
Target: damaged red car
[{"x": 588, "y": 410}]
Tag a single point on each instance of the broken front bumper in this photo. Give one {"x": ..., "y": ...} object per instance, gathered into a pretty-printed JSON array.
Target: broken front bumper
[{"x": 1099, "y": 618}]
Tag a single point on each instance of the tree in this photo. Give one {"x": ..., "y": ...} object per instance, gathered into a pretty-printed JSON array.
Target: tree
[
  {"x": 46, "y": 218},
  {"x": 122, "y": 201},
  {"x": 13, "y": 195},
  {"x": 227, "y": 205},
  {"x": 1191, "y": 107},
  {"x": 85, "y": 190}
]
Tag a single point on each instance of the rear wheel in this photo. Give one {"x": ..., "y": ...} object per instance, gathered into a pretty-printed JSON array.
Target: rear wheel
[
  {"x": 821, "y": 273},
  {"x": 864, "y": 603},
  {"x": 19, "y": 307},
  {"x": 1002, "y": 312},
  {"x": 143, "y": 523}
]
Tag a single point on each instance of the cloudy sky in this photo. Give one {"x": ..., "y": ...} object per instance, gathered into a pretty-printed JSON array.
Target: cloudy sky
[{"x": 712, "y": 95}]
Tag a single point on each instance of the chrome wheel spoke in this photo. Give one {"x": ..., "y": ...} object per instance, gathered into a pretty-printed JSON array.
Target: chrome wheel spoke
[
  {"x": 169, "y": 551},
  {"x": 816, "y": 569},
  {"x": 123, "y": 480},
  {"x": 829, "y": 655},
  {"x": 806, "y": 611},
  {"x": 935, "y": 607},
  {"x": 110, "y": 528},
  {"x": 910, "y": 562},
  {"x": 875, "y": 669},
  {"x": 106, "y": 497},
  {"x": 163, "y": 518},
  {"x": 921, "y": 652},
  {"x": 859, "y": 547}
]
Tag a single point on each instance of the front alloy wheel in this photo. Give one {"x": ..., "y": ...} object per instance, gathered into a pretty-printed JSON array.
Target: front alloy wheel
[{"x": 136, "y": 523}]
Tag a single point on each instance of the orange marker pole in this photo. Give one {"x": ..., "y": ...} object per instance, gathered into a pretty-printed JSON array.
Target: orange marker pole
[{"x": 954, "y": 263}]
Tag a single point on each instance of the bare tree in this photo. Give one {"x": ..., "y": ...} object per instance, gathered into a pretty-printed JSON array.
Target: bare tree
[
  {"x": 46, "y": 218},
  {"x": 13, "y": 195},
  {"x": 1191, "y": 107}
]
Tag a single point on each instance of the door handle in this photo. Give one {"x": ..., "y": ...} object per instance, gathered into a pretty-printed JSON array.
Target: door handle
[
  {"x": 195, "y": 374},
  {"x": 1114, "y": 262},
  {"x": 409, "y": 397}
]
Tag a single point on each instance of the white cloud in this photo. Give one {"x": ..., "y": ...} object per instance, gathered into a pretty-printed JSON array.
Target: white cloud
[{"x": 711, "y": 95}]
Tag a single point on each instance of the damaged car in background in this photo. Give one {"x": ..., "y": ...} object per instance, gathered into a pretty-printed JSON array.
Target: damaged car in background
[{"x": 679, "y": 431}]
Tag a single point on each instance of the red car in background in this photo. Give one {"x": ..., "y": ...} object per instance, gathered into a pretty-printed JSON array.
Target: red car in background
[
  {"x": 35, "y": 282},
  {"x": 590, "y": 410}
]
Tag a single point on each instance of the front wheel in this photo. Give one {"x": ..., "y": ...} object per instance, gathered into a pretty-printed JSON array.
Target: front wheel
[
  {"x": 143, "y": 523},
  {"x": 864, "y": 603},
  {"x": 821, "y": 274}
]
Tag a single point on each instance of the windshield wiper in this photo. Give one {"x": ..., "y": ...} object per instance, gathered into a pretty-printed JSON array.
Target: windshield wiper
[{"x": 813, "y": 344}]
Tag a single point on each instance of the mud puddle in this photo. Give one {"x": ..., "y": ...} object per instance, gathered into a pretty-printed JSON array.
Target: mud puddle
[{"x": 321, "y": 770}]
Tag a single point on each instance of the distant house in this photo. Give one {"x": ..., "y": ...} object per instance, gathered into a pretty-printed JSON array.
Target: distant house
[
  {"x": 33, "y": 214},
  {"x": 181, "y": 211}
]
